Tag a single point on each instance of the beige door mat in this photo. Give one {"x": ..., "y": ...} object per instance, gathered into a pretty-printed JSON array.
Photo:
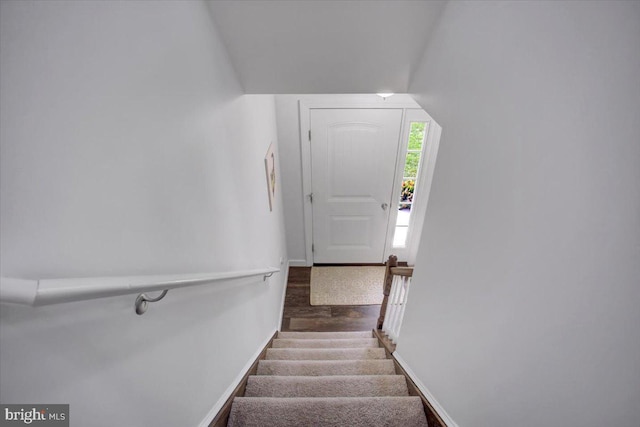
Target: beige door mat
[{"x": 347, "y": 285}]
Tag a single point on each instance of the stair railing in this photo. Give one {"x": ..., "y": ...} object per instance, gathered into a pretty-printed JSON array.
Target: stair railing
[
  {"x": 396, "y": 289},
  {"x": 38, "y": 292}
]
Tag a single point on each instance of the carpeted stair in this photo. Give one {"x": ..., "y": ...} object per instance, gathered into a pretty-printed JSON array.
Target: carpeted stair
[{"x": 326, "y": 379}]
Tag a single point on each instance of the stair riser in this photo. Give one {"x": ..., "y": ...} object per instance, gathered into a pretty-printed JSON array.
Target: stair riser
[
  {"x": 341, "y": 411},
  {"x": 325, "y": 335},
  {"x": 324, "y": 354},
  {"x": 345, "y": 386},
  {"x": 331, "y": 367},
  {"x": 320, "y": 343}
]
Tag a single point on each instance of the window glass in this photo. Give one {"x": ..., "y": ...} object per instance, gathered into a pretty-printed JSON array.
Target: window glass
[
  {"x": 416, "y": 136},
  {"x": 412, "y": 161},
  {"x": 411, "y": 165}
]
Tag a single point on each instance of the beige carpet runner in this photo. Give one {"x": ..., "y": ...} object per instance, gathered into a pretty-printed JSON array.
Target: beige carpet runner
[
  {"x": 326, "y": 379},
  {"x": 347, "y": 285}
]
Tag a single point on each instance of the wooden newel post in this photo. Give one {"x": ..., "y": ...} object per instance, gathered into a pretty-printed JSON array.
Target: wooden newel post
[{"x": 388, "y": 280}]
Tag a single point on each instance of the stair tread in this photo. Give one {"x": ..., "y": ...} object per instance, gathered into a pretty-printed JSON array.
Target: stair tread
[
  {"x": 325, "y": 353},
  {"x": 326, "y": 379},
  {"x": 327, "y": 411},
  {"x": 325, "y": 335},
  {"x": 326, "y": 367},
  {"x": 326, "y": 386},
  {"x": 325, "y": 343}
]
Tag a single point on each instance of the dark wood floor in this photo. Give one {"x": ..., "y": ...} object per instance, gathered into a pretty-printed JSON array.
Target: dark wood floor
[{"x": 299, "y": 315}]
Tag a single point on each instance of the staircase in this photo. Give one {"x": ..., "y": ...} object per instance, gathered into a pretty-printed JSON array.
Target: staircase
[{"x": 326, "y": 379}]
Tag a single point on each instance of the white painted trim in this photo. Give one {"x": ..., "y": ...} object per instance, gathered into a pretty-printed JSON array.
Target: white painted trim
[
  {"x": 56, "y": 291},
  {"x": 424, "y": 189},
  {"x": 423, "y": 184},
  {"x": 305, "y": 153},
  {"x": 229, "y": 391},
  {"x": 284, "y": 294},
  {"x": 425, "y": 391},
  {"x": 401, "y": 253},
  {"x": 297, "y": 263},
  {"x": 304, "y": 107}
]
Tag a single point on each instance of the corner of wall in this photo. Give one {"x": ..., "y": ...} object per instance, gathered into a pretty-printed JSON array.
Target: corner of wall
[{"x": 425, "y": 391}]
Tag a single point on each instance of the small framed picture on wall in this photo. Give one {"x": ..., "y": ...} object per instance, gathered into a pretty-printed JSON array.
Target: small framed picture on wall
[{"x": 270, "y": 166}]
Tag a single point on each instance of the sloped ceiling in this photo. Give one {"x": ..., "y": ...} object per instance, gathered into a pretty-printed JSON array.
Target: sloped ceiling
[{"x": 304, "y": 46}]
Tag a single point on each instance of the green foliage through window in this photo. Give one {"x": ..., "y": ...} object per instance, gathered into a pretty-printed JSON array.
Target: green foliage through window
[
  {"x": 411, "y": 165},
  {"x": 416, "y": 135}
]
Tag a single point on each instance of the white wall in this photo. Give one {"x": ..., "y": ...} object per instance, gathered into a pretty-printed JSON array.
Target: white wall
[
  {"x": 283, "y": 46},
  {"x": 524, "y": 307},
  {"x": 127, "y": 147},
  {"x": 291, "y": 161}
]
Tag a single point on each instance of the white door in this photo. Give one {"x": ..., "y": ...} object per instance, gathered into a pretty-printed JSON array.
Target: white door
[{"x": 353, "y": 158}]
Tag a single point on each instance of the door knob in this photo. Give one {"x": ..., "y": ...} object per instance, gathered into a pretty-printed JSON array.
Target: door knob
[{"x": 384, "y": 206}]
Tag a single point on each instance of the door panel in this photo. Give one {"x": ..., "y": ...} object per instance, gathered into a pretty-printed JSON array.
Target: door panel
[
  {"x": 349, "y": 231},
  {"x": 353, "y": 156}
]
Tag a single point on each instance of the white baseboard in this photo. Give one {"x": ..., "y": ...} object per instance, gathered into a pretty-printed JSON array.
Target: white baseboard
[
  {"x": 298, "y": 263},
  {"x": 229, "y": 391},
  {"x": 425, "y": 391},
  {"x": 284, "y": 294}
]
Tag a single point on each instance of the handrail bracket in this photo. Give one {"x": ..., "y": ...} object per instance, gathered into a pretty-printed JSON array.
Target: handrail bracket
[
  {"x": 266, "y": 276},
  {"x": 142, "y": 302}
]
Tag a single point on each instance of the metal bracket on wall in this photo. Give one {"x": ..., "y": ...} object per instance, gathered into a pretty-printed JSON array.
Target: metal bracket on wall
[
  {"x": 266, "y": 276},
  {"x": 142, "y": 301}
]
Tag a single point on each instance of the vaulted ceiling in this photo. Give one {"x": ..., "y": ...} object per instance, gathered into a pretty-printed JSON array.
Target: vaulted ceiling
[{"x": 318, "y": 46}]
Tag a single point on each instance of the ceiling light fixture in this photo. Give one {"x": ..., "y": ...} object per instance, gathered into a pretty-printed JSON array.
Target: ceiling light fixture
[{"x": 384, "y": 95}]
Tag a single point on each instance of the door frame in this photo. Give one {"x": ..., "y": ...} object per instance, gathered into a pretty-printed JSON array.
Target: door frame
[{"x": 304, "y": 108}]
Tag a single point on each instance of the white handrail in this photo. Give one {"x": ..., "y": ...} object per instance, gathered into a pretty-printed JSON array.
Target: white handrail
[{"x": 56, "y": 291}]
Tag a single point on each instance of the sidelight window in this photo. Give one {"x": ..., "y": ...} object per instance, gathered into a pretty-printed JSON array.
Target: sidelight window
[{"x": 413, "y": 157}]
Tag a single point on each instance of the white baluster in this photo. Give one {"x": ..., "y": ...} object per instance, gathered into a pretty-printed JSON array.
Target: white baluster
[
  {"x": 406, "y": 282},
  {"x": 396, "y": 314},
  {"x": 391, "y": 306},
  {"x": 396, "y": 304},
  {"x": 386, "y": 322},
  {"x": 397, "y": 286}
]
